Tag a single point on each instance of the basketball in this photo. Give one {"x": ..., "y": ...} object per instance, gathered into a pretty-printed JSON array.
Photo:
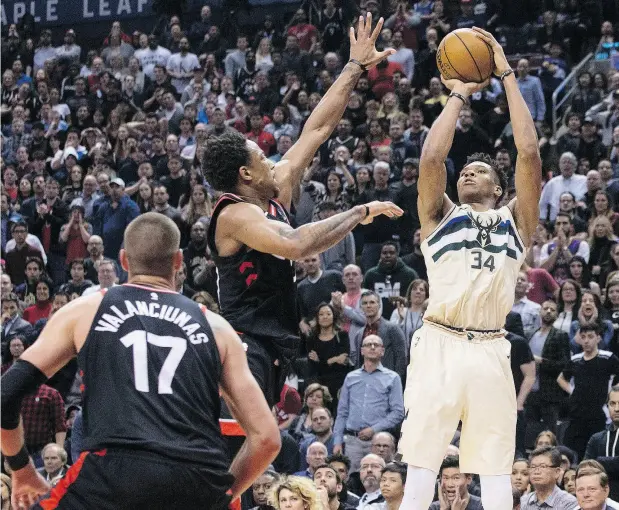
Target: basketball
[{"x": 464, "y": 56}]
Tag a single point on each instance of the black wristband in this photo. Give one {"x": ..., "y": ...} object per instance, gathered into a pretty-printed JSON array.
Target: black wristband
[
  {"x": 355, "y": 61},
  {"x": 506, "y": 74},
  {"x": 459, "y": 96},
  {"x": 19, "y": 460},
  {"x": 367, "y": 211}
]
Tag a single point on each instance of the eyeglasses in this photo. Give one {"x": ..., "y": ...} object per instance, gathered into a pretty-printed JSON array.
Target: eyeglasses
[
  {"x": 372, "y": 345},
  {"x": 541, "y": 466}
]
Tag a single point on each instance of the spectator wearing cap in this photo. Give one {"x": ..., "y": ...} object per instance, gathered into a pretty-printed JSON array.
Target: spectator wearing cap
[
  {"x": 69, "y": 51},
  {"x": 113, "y": 216},
  {"x": 180, "y": 66},
  {"x": 51, "y": 214}
]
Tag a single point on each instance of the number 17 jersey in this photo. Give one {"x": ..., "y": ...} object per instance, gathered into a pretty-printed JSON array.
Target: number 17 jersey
[
  {"x": 151, "y": 371},
  {"x": 473, "y": 259}
]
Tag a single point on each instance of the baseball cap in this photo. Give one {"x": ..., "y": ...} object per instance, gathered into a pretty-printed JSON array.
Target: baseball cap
[
  {"x": 118, "y": 181},
  {"x": 77, "y": 204},
  {"x": 588, "y": 120},
  {"x": 70, "y": 151},
  {"x": 410, "y": 161},
  {"x": 70, "y": 32},
  {"x": 198, "y": 68}
]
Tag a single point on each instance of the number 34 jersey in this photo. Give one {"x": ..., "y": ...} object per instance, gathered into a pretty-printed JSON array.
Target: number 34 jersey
[
  {"x": 151, "y": 372},
  {"x": 473, "y": 259}
]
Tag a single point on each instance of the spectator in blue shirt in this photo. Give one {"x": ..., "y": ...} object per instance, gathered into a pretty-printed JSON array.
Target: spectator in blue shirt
[
  {"x": 113, "y": 216},
  {"x": 531, "y": 90},
  {"x": 371, "y": 401}
]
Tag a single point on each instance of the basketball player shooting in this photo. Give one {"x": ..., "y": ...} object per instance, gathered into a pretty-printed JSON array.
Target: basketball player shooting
[
  {"x": 154, "y": 363},
  {"x": 459, "y": 363},
  {"x": 252, "y": 241}
]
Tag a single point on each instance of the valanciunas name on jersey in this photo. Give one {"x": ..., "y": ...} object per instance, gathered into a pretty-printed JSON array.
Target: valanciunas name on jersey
[{"x": 111, "y": 322}]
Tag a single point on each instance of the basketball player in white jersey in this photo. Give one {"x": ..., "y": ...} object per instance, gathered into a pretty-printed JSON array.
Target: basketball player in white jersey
[{"x": 460, "y": 367}]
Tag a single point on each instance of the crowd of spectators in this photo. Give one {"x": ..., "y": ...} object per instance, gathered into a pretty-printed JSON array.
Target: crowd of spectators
[{"x": 91, "y": 138}]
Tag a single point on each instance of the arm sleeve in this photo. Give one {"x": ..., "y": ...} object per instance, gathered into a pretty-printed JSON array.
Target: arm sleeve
[
  {"x": 396, "y": 408},
  {"x": 342, "y": 416}
]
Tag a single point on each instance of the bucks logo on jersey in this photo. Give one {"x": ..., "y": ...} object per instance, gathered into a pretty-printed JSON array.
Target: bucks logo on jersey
[{"x": 484, "y": 227}]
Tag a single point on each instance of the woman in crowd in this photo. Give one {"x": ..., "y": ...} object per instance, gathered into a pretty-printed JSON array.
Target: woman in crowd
[
  {"x": 264, "y": 62},
  {"x": 361, "y": 156},
  {"x": 568, "y": 482},
  {"x": 316, "y": 395},
  {"x": 579, "y": 272},
  {"x": 603, "y": 206},
  {"x": 328, "y": 349},
  {"x": 199, "y": 206},
  {"x": 520, "y": 475},
  {"x": 409, "y": 312},
  {"x": 568, "y": 305},
  {"x": 591, "y": 312},
  {"x": 546, "y": 438},
  {"x": 144, "y": 197},
  {"x": 43, "y": 303},
  {"x": 601, "y": 240},
  {"x": 377, "y": 137},
  {"x": 24, "y": 193},
  {"x": 281, "y": 123},
  {"x": 336, "y": 191},
  {"x": 296, "y": 493},
  {"x": 389, "y": 107}
]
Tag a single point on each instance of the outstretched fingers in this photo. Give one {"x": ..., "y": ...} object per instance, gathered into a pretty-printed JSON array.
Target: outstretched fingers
[
  {"x": 377, "y": 28},
  {"x": 361, "y": 27},
  {"x": 351, "y": 35}
]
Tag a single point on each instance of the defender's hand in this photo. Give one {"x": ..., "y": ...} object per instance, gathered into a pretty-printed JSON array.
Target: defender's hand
[
  {"x": 377, "y": 208},
  {"x": 362, "y": 46},
  {"x": 28, "y": 486}
]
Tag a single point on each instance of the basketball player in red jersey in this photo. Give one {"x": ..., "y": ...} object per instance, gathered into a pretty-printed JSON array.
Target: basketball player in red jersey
[
  {"x": 154, "y": 362},
  {"x": 250, "y": 237}
]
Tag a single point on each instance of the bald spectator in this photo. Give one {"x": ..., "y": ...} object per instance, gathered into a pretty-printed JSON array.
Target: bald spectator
[
  {"x": 316, "y": 456},
  {"x": 370, "y": 472},
  {"x": 383, "y": 445}
]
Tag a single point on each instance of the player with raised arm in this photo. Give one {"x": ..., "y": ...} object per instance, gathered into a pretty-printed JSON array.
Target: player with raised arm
[
  {"x": 460, "y": 367},
  {"x": 153, "y": 365},
  {"x": 250, "y": 237}
]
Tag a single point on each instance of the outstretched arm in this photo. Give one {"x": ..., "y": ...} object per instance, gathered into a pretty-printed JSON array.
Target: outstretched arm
[
  {"x": 329, "y": 111},
  {"x": 433, "y": 203},
  {"x": 246, "y": 224},
  {"x": 528, "y": 163}
]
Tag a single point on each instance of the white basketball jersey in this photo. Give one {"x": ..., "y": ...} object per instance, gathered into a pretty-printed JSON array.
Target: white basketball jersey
[{"x": 473, "y": 260}]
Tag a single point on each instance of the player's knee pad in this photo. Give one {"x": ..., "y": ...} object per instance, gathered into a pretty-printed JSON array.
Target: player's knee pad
[
  {"x": 496, "y": 492},
  {"x": 419, "y": 489}
]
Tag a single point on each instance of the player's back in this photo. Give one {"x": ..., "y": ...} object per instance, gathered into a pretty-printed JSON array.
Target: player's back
[
  {"x": 473, "y": 259},
  {"x": 151, "y": 371}
]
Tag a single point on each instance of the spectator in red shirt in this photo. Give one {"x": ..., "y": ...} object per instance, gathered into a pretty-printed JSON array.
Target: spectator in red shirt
[
  {"x": 43, "y": 304},
  {"x": 381, "y": 77},
  {"x": 43, "y": 418},
  {"x": 257, "y": 134},
  {"x": 305, "y": 33}
]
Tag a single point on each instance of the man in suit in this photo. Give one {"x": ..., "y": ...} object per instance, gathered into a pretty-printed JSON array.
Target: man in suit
[
  {"x": 11, "y": 322},
  {"x": 551, "y": 351},
  {"x": 54, "y": 463}
]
